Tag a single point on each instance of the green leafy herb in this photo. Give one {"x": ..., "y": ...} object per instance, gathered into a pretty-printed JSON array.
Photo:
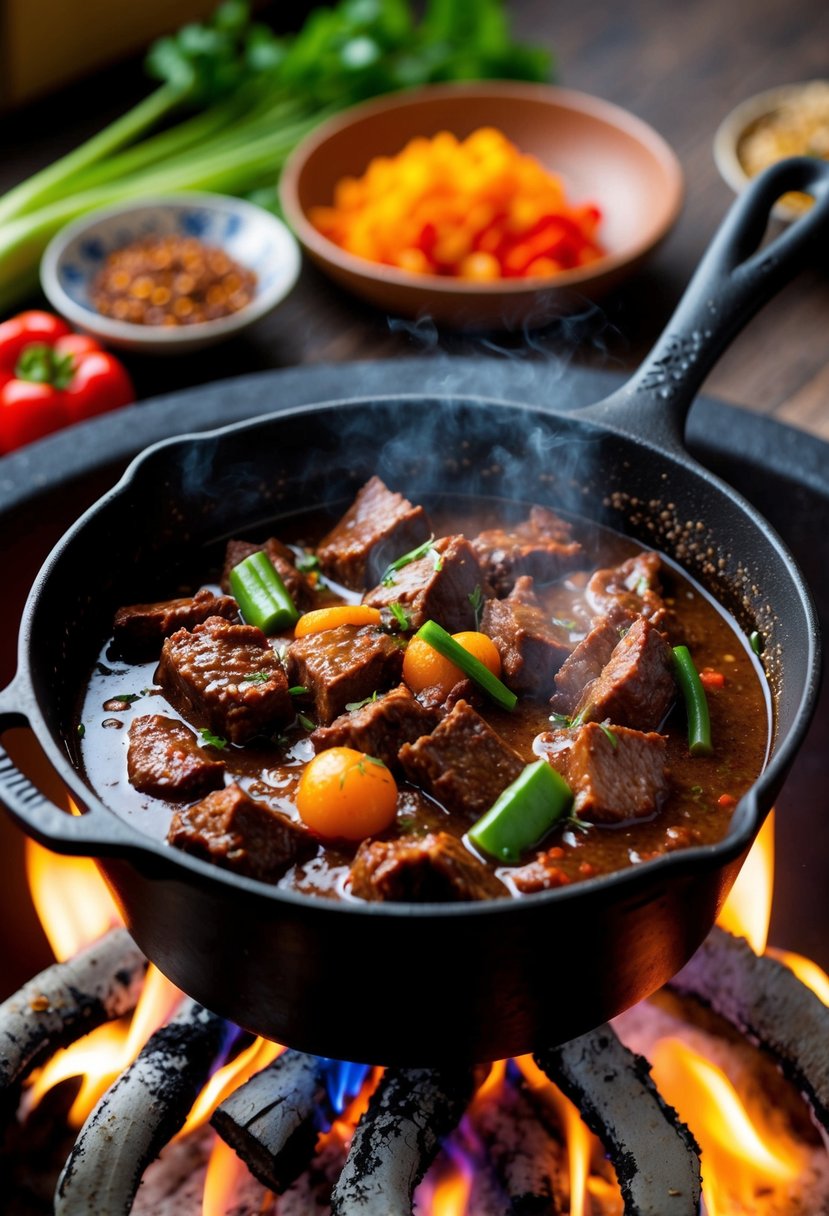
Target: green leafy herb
[
  {"x": 400, "y": 615},
  {"x": 298, "y": 690},
  {"x": 352, "y": 706},
  {"x": 642, "y": 586},
  {"x": 208, "y": 739},
  {"x": 755, "y": 641},
  {"x": 306, "y": 722},
  {"x": 81, "y": 730},
  {"x": 565, "y": 623},
  {"x": 575, "y": 824},
  {"x": 561, "y": 720},
  {"x": 437, "y": 559},
  {"x": 307, "y": 562},
  {"x": 476, "y": 599},
  {"x": 129, "y": 698},
  {"x": 387, "y": 579},
  {"x": 614, "y": 742},
  {"x": 376, "y": 760},
  {"x": 257, "y": 677}
]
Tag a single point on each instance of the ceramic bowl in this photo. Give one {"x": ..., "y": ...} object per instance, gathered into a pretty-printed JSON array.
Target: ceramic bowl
[
  {"x": 250, "y": 235},
  {"x": 603, "y": 154},
  {"x": 738, "y": 124}
]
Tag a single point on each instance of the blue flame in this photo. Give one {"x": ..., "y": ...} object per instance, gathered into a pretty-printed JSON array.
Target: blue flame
[{"x": 343, "y": 1081}]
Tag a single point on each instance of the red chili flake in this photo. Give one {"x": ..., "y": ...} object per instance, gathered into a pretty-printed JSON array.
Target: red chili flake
[
  {"x": 711, "y": 680},
  {"x": 557, "y": 851},
  {"x": 726, "y": 800},
  {"x": 587, "y": 870}
]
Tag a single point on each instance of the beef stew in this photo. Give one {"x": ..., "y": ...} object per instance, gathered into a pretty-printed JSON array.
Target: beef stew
[{"x": 583, "y": 622}]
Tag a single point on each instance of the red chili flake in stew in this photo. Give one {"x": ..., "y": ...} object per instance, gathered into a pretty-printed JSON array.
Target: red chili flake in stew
[
  {"x": 711, "y": 680},
  {"x": 171, "y": 280},
  {"x": 726, "y": 800},
  {"x": 587, "y": 870}
]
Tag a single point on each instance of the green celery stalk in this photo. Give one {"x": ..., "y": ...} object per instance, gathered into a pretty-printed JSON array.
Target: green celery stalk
[{"x": 524, "y": 813}]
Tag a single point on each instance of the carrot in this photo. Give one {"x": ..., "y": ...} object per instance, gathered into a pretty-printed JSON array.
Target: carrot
[
  {"x": 423, "y": 667},
  {"x": 330, "y": 618},
  {"x": 711, "y": 680}
]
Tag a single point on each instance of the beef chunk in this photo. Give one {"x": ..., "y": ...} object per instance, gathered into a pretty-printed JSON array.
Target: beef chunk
[
  {"x": 636, "y": 687},
  {"x": 299, "y": 587},
  {"x": 437, "y": 699},
  {"x": 531, "y": 648},
  {"x": 164, "y": 759},
  {"x": 435, "y": 587},
  {"x": 422, "y": 869},
  {"x": 610, "y": 782},
  {"x": 464, "y": 764},
  {"x": 379, "y": 728},
  {"x": 584, "y": 666},
  {"x": 378, "y": 527},
  {"x": 345, "y": 664},
  {"x": 231, "y": 830},
  {"x": 214, "y": 678},
  {"x": 631, "y": 589},
  {"x": 542, "y": 546},
  {"x": 139, "y": 629}
]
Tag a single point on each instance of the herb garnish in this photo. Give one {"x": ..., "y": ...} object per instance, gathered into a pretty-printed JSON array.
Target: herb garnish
[
  {"x": 306, "y": 722},
  {"x": 565, "y": 623},
  {"x": 755, "y": 641},
  {"x": 413, "y": 555},
  {"x": 476, "y": 599},
  {"x": 298, "y": 690},
  {"x": 257, "y": 677},
  {"x": 208, "y": 739},
  {"x": 614, "y": 742},
  {"x": 575, "y": 824},
  {"x": 81, "y": 730},
  {"x": 400, "y": 615},
  {"x": 307, "y": 562},
  {"x": 351, "y": 706},
  {"x": 129, "y": 698},
  {"x": 562, "y": 720}
]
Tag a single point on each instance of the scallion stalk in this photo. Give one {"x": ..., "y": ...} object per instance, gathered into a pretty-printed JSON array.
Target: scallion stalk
[
  {"x": 263, "y": 598},
  {"x": 524, "y": 813},
  {"x": 445, "y": 644},
  {"x": 696, "y": 702}
]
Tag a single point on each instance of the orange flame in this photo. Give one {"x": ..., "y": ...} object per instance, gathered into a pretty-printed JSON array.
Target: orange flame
[
  {"x": 452, "y": 1189},
  {"x": 578, "y": 1137},
  {"x": 225, "y": 1080},
  {"x": 224, "y": 1172},
  {"x": 738, "y": 1153},
  {"x": 747, "y": 911},
  {"x": 71, "y": 899}
]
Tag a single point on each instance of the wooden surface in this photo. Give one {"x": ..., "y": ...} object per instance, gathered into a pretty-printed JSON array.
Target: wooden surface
[{"x": 680, "y": 67}]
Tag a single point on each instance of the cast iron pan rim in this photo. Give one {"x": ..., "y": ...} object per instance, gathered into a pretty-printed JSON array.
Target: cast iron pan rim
[{"x": 744, "y": 820}]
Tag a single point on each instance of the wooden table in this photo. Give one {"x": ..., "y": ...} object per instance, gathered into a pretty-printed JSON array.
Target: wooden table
[{"x": 679, "y": 67}]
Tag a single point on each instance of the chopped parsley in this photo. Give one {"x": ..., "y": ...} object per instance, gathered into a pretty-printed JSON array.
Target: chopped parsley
[
  {"x": 208, "y": 739},
  {"x": 306, "y": 722},
  {"x": 413, "y": 555},
  {"x": 476, "y": 599},
  {"x": 257, "y": 677},
  {"x": 642, "y": 586},
  {"x": 400, "y": 615},
  {"x": 352, "y": 706},
  {"x": 614, "y": 742},
  {"x": 564, "y": 622},
  {"x": 561, "y": 720},
  {"x": 755, "y": 641},
  {"x": 307, "y": 562},
  {"x": 298, "y": 690},
  {"x": 575, "y": 824},
  {"x": 129, "y": 698}
]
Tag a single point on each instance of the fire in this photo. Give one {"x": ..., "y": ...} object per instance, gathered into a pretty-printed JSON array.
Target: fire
[
  {"x": 578, "y": 1137},
  {"x": 225, "y": 1080},
  {"x": 452, "y": 1187},
  {"x": 71, "y": 899},
  {"x": 740, "y": 1157},
  {"x": 224, "y": 1173},
  {"x": 747, "y": 910}
]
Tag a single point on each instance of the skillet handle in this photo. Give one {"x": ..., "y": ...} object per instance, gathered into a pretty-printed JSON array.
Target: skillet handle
[
  {"x": 733, "y": 281},
  {"x": 93, "y": 833}
]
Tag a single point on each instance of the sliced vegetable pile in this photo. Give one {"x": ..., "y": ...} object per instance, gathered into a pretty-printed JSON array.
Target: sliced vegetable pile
[
  {"x": 235, "y": 99},
  {"x": 476, "y": 208}
]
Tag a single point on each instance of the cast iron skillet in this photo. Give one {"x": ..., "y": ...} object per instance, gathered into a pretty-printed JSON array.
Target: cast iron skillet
[{"x": 421, "y": 984}]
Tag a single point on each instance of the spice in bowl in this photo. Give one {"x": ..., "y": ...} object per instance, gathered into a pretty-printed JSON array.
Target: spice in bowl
[
  {"x": 171, "y": 280},
  {"x": 477, "y": 209},
  {"x": 797, "y": 126}
]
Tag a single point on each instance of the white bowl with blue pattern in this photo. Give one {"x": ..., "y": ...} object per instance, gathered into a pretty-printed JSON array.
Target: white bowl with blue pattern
[{"x": 250, "y": 235}]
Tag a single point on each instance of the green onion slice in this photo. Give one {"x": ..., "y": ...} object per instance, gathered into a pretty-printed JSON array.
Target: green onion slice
[
  {"x": 696, "y": 702},
  {"x": 414, "y": 555},
  {"x": 263, "y": 598},
  {"x": 445, "y": 644},
  {"x": 524, "y": 813}
]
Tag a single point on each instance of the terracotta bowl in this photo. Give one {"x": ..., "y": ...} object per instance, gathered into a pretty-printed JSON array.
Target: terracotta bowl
[{"x": 604, "y": 155}]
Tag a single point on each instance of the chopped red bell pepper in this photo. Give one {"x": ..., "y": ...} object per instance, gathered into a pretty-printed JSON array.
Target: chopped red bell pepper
[{"x": 51, "y": 377}]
